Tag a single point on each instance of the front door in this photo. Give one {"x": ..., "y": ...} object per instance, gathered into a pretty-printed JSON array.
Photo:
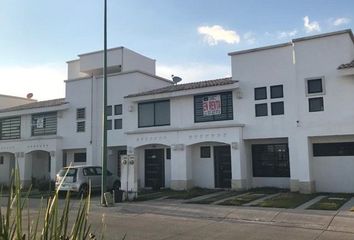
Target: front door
[
  {"x": 222, "y": 166},
  {"x": 154, "y": 168}
]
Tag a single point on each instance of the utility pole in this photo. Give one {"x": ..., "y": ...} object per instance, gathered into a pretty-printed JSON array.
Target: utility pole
[{"x": 104, "y": 124}]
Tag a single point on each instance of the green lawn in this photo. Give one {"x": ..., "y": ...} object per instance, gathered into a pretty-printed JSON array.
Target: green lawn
[
  {"x": 192, "y": 193},
  {"x": 286, "y": 200},
  {"x": 217, "y": 198},
  {"x": 243, "y": 199},
  {"x": 331, "y": 202}
]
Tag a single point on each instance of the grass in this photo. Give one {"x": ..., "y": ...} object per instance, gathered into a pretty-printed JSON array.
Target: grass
[
  {"x": 331, "y": 202},
  {"x": 243, "y": 199},
  {"x": 286, "y": 200},
  {"x": 146, "y": 195},
  {"x": 216, "y": 198}
]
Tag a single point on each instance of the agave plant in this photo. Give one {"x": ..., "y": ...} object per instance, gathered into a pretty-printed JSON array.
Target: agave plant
[{"x": 51, "y": 222}]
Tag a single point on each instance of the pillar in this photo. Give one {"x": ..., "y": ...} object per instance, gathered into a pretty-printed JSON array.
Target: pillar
[
  {"x": 238, "y": 166},
  {"x": 25, "y": 168},
  {"x": 181, "y": 167},
  {"x": 300, "y": 164}
]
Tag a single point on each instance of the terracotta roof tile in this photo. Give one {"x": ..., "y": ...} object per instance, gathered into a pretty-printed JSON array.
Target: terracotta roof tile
[
  {"x": 186, "y": 86},
  {"x": 346, "y": 65},
  {"x": 41, "y": 104}
]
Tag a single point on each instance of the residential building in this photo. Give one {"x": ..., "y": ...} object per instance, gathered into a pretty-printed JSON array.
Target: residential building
[{"x": 283, "y": 119}]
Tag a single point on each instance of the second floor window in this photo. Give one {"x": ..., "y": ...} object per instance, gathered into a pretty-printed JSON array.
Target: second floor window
[
  {"x": 153, "y": 114},
  {"x": 44, "y": 124},
  {"x": 10, "y": 128},
  {"x": 213, "y": 107}
]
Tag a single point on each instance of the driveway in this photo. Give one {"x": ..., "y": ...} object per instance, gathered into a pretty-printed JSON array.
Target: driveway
[{"x": 165, "y": 219}]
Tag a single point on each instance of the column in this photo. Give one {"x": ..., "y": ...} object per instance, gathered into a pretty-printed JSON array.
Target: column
[
  {"x": 181, "y": 167},
  {"x": 56, "y": 160},
  {"x": 238, "y": 166},
  {"x": 25, "y": 167},
  {"x": 300, "y": 165}
]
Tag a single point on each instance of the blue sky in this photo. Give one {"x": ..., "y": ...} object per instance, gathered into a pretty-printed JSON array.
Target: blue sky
[{"x": 187, "y": 38}]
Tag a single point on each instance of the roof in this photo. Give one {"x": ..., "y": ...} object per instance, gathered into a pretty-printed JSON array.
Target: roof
[
  {"x": 346, "y": 65},
  {"x": 41, "y": 104},
  {"x": 346, "y": 31},
  {"x": 186, "y": 86}
]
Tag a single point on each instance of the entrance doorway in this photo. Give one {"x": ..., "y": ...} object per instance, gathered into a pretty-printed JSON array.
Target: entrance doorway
[
  {"x": 222, "y": 166},
  {"x": 154, "y": 168}
]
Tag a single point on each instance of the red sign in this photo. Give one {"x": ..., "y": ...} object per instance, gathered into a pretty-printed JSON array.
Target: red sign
[{"x": 212, "y": 105}]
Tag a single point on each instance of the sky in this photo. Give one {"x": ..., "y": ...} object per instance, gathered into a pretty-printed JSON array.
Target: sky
[{"x": 187, "y": 38}]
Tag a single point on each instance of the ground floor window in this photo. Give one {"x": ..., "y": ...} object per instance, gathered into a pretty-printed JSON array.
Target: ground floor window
[
  {"x": 333, "y": 149},
  {"x": 270, "y": 160},
  {"x": 80, "y": 157}
]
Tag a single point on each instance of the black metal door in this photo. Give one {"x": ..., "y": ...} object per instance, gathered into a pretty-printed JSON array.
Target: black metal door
[
  {"x": 222, "y": 166},
  {"x": 154, "y": 168}
]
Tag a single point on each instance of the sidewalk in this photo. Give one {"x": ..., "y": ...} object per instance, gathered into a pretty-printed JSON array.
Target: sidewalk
[{"x": 342, "y": 221}]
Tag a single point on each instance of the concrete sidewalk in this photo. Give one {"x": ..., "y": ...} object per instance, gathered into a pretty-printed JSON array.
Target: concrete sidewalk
[{"x": 342, "y": 221}]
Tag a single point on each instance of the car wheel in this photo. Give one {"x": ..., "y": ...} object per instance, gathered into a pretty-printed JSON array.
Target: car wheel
[{"x": 83, "y": 190}]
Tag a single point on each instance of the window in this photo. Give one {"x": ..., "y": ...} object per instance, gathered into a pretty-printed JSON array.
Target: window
[
  {"x": 168, "y": 153},
  {"x": 314, "y": 86},
  {"x": 44, "y": 124},
  {"x": 277, "y": 108},
  {"x": 109, "y": 110},
  {"x": 261, "y": 110},
  {"x": 80, "y": 113},
  {"x": 89, "y": 171},
  {"x": 98, "y": 171},
  {"x": 316, "y": 104},
  {"x": 118, "y": 124},
  {"x": 80, "y": 126},
  {"x": 1, "y": 160},
  {"x": 276, "y": 91},
  {"x": 260, "y": 93},
  {"x": 270, "y": 160},
  {"x": 213, "y": 107},
  {"x": 205, "y": 152},
  {"x": 153, "y": 114},
  {"x": 10, "y": 128},
  {"x": 118, "y": 109},
  {"x": 80, "y": 157},
  {"x": 333, "y": 149},
  {"x": 109, "y": 124}
]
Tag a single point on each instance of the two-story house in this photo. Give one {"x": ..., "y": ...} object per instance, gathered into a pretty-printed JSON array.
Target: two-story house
[{"x": 282, "y": 120}]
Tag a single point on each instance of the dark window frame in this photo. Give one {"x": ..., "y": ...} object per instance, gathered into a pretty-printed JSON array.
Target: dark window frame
[
  {"x": 273, "y": 108},
  {"x": 78, "y": 156},
  {"x": 109, "y": 110},
  {"x": 260, "y": 105},
  {"x": 115, "y": 123},
  {"x": 168, "y": 153},
  {"x": 272, "y": 93},
  {"x": 50, "y": 124},
  {"x": 80, "y": 113},
  {"x": 10, "y": 128},
  {"x": 118, "y": 109},
  {"x": 154, "y": 114},
  {"x": 271, "y": 162},
  {"x": 80, "y": 126},
  {"x": 260, "y": 89},
  {"x": 333, "y": 149},
  {"x": 205, "y": 152},
  {"x": 310, "y": 92},
  {"x": 227, "y": 110},
  {"x": 109, "y": 124},
  {"x": 311, "y": 106}
]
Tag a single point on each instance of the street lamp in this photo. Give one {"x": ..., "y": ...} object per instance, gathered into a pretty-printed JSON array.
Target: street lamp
[{"x": 104, "y": 123}]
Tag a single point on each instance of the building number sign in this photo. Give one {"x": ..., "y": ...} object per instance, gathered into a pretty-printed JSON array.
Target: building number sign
[{"x": 212, "y": 105}]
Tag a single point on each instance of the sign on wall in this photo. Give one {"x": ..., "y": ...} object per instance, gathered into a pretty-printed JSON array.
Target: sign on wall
[
  {"x": 40, "y": 123},
  {"x": 212, "y": 105}
]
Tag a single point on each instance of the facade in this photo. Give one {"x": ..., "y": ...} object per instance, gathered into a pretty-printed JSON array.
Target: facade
[{"x": 283, "y": 119}]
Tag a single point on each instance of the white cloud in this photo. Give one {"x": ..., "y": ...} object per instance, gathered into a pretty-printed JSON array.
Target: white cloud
[
  {"x": 286, "y": 34},
  {"x": 215, "y": 34},
  {"x": 44, "y": 81},
  {"x": 311, "y": 26},
  {"x": 250, "y": 38},
  {"x": 193, "y": 72},
  {"x": 339, "y": 21}
]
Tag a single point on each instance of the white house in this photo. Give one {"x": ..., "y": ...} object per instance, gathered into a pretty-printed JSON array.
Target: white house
[{"x": 283, "y": 119}]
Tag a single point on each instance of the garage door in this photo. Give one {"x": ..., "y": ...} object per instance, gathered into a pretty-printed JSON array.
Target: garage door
[{"x": 333, "y": 167}]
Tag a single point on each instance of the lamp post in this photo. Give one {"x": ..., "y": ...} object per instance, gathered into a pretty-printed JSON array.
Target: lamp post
[{"x": 104, "y": 123}]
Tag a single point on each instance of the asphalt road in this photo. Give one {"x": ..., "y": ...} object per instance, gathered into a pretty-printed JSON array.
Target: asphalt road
[{"x": 174, "y": 220}]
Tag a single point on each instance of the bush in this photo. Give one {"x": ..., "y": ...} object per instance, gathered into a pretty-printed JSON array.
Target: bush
[{"x": 54, "y": 224}]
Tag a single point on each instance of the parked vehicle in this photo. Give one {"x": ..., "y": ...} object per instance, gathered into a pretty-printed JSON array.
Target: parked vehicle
[{"x": 78, "y": 179}]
